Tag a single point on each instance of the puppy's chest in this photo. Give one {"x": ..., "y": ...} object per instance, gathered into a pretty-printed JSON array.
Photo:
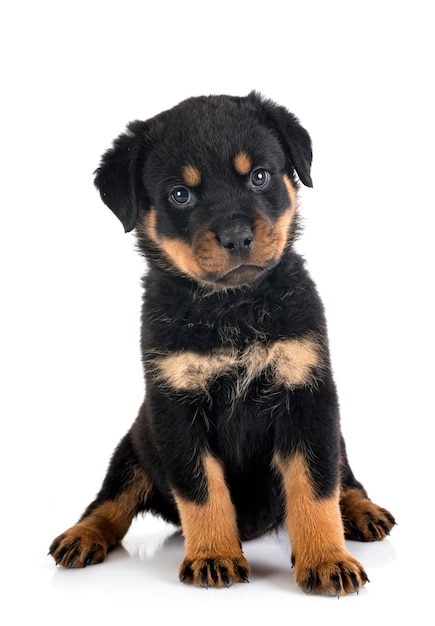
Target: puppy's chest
[{"x": 230, "y": 357}]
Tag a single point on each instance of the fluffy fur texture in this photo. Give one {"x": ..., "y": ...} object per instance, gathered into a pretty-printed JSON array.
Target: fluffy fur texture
[{"x": 239, "y": 430}]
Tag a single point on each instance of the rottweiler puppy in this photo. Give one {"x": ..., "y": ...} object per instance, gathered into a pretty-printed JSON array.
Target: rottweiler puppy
[{"x": 239, "y": 431}]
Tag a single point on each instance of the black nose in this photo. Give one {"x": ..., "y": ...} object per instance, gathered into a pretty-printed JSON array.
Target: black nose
[{"x": 236, "y": 236}]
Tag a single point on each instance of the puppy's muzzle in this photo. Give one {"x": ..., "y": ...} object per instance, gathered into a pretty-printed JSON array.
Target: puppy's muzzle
[{"x": 236, "y": 236}]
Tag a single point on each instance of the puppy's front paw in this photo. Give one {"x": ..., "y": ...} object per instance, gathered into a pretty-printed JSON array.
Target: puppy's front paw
[
  {"x": 204, "y": 571},
  {"x": 79, "y": 546},
  {"x": 336, "y": 575}
]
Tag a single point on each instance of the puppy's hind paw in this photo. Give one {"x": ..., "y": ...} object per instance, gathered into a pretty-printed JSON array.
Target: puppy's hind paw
[
  {"x": 78, "y": 547},
  {"x": 362, "y": 519}
]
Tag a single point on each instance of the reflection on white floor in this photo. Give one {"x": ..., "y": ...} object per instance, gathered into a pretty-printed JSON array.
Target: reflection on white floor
[{"x": 139, "y": 581}]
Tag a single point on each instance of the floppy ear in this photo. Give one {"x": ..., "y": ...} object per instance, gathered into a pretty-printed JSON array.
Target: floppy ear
[
  {"x": 118, "y": 177},
  {"x": 293, "y": 137}
]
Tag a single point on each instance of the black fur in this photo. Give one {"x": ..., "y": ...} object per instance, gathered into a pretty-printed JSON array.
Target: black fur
[{"x": 221, "y": 282}]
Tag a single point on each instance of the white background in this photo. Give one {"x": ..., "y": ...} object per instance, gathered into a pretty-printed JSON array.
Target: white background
[{"x": 359, "y": 75}]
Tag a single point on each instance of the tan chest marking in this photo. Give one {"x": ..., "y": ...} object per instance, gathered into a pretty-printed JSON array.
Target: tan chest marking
[
  {"x": 291, "y": 363},
  {"x": 190, "y": 371}
]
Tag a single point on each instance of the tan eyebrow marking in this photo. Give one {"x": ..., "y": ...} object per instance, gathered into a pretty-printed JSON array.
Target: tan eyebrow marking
[
  {"x": 191, "y": 175},
  {"x": 242, "y": 163}
]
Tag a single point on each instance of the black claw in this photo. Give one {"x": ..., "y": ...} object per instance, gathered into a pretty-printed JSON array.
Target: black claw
[
  {"x": 374, "y": 532},
  {"x": 389, "y": 517},
  {"x": 357, "y": 533},
  {"x": 213, "y": 573},
  {"x": 186, "y": 573},
  {"x": 225, "y": 579},
  {"x": 72, "y": 558},
  {"x": 355, "y": 582},
  {"x": 55, "y": 544},
  {"x": 60, "y": 555},
  {"x": 242, "y": 574},
  {"x": 337, "y": 584},
  {"x": 204, "y": 577},
  {"x": 364, "y": 576},
  {"x": 383, "y": 526},
  {"x": 310, "y": 583},
  {"x": 91, "y": 556}
]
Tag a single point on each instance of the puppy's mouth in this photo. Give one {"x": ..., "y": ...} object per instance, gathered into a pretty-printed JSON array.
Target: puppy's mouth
[{"x": 245, "y": 274}]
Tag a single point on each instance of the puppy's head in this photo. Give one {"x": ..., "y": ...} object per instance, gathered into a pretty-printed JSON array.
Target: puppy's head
[{"x": 210, "y": 186}]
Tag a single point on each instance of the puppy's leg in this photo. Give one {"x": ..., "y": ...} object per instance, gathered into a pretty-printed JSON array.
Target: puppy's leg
[
  {"x": 123, "y": 495},
  {"x": 307, "y": 454},
  {"x": 320, "y": 559},
  {"x": 213, "y": 551},
  {"x": 363, "y": 520},
  {"x": 181, "y": 430}
]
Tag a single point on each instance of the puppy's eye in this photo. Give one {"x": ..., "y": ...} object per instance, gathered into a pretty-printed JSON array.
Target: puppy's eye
[
  {"x": 259, "y": 177},
  {"x": 180, "y": 196}
]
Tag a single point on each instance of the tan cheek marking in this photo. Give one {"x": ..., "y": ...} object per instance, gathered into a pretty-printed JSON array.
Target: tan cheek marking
[
  {"x": 314, "y": 525},
  {"x": 282, "y": 230},
  {"x": 177, "y": 252},
  {"x": 291, "y": 192},
  {"x": 242, "y": 163},
  {"x": 149, "y": 225},
  {"x": 191, "y": 175},
  {"x": 294, "y": 360},
  {"x": 210, "y": 529},
  {"x": 189, "y": 371},
  {"x": 181, "y": 256},
  {"x": 272, "y": 238},
  {"x": 284, "y": 222},
  {"x": 264, "y": 238}
]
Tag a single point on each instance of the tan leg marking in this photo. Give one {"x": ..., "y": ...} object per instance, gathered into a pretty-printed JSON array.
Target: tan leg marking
[
  {"x": 88, "y": 541},
  {"x": 213, "y": 553},
  {"x": 321, "y": 561}
]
